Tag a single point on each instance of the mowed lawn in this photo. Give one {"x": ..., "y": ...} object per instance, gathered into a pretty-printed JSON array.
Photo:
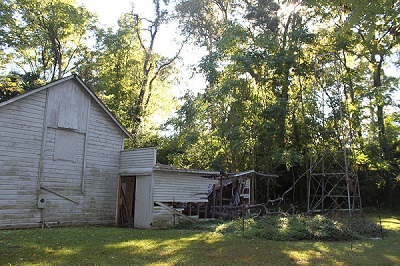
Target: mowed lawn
[{"x": 116, "y": 246}]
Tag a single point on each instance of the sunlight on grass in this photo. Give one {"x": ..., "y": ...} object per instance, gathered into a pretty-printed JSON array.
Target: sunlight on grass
[
  {"x": 303, "y": 257},
  {"x": 61, "y": 251},
  {"x": 143, "y": 245},
  {"x": 394, "y": 259},
  {"x": 361, "y": 247},
  {"x": 211, "y": 237},
  {"x": 391, "y": 223},
  {"x": 321, "y": 247},
  {"x": 159, "y": 251},
  {"x": 316, "y": 252}
]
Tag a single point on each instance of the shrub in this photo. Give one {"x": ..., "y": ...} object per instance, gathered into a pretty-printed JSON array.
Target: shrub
[{"x": 299, "y": 227}]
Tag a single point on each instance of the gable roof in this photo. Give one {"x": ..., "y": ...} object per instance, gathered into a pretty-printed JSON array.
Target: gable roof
[{"x": 87, "y": 89}]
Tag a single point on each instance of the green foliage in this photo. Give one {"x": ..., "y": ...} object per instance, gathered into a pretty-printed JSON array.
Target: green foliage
[
  {"x": 260, "y": 109},
  {"x": 45, "y": 37},
  {"x": 206, "y": 225},
  {"x": 298, "y": 227},
  {"x": 131, "y": 78},
  {"x": 118, "y": 70},
  {"x": 15, "y": 84}
]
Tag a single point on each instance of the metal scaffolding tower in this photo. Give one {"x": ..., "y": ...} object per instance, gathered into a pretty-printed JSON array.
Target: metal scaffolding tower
[{"x": 332, "y": 179}]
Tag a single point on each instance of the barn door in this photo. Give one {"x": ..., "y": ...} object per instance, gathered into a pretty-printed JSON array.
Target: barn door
[{"x": 126, "y": 201}]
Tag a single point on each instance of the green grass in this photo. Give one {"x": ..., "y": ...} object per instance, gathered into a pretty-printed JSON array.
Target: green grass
[{"x": 116, "y": 246}]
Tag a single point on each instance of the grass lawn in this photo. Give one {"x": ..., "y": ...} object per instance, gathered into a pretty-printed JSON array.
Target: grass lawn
[{"x": 116, "y": 246}]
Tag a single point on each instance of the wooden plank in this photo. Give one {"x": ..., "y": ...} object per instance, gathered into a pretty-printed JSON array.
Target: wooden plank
[
  {"x": 59, "y": 194},
  {"x": 174, "y": 211},
  {"x": 138, "y": 158},
  {"x": 85, "y": 147}
]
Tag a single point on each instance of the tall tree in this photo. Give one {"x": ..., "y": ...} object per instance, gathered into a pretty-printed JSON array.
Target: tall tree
[
  {"x": 114, "y": 71},
  {"x": 130, "y": 76},
  {"x": 45, "y": 37},
  {"x": 154, "y": 67},
  {"x": 260, "y": 103},
  {"x": 203, "y": 20}
]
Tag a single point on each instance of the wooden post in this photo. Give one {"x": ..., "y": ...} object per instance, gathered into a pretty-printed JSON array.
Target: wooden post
[
  {"x": 119, "y": 203},
  {"x": 173, "y": 206},
  {"x": 85, "y": 147},
  {"x": 214, "y": 200},
  {"x": 43, "y": 218},
  {"x": 220, "y": 197},
  {"x": 243, "y": 210},
  {"x": 252, "y": 189}
]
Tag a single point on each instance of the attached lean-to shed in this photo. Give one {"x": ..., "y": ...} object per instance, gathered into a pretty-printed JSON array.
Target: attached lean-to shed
[
  {"x": 157, "y": 195},
  {"x": 59, "y": 157}
]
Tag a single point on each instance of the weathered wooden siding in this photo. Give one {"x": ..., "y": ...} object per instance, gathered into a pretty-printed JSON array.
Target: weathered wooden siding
[
  {"x": 137, "y": 161},
  {"x": 21, "y": 126},
  {"x": 104, "y": 145},
  {"x": 164, "y": 218},
  {"x": 94, "y": 187},
  {"x": 155, "y": 184},
  {"x": 58, "y": 173},
  {"x": 80, "y": 159},
  {"x": 176, "y": 186},
  {"x": 140, "y": 163},
  {"x": 143, "y": 202}
]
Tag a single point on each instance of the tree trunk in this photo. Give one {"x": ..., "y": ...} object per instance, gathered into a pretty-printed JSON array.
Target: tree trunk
[{"x": 383, "y": 142}]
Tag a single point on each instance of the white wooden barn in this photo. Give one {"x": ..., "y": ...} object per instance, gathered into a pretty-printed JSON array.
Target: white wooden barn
[
  {"x": 59, "y": 157},
  {"x": 62, "y": 162}
]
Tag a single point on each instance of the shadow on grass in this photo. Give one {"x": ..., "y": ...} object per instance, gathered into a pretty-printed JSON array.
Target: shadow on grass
[{"x": 114, "y": 246}]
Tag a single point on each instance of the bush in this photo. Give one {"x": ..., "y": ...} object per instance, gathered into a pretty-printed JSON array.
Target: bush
[{"x": 299, "y": 227}]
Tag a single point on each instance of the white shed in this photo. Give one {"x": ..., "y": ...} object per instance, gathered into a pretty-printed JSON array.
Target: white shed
[
  {"x": 59, "y": 157},
  {"x": 155, "y": 195}
]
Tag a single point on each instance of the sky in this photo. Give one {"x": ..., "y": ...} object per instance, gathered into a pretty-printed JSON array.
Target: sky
[{"x": 109, "y": 11}]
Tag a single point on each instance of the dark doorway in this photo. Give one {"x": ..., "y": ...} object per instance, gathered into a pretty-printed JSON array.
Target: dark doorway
[{"x": 126, "y": 201}]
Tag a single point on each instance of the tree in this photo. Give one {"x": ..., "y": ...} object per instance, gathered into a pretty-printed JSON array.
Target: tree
[
  {"x": 154, "y": 67},
  {"x": 131, "y": 77},
  {"x": 45, "y": 37},
  {"x": 203, "y": 20},
  {"x": 370, "y": 33},
  {"x": 259, "y": 106}
]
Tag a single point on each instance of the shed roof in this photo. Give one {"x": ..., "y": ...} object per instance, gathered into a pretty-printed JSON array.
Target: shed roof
[{"x": 84, "y": 86}]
